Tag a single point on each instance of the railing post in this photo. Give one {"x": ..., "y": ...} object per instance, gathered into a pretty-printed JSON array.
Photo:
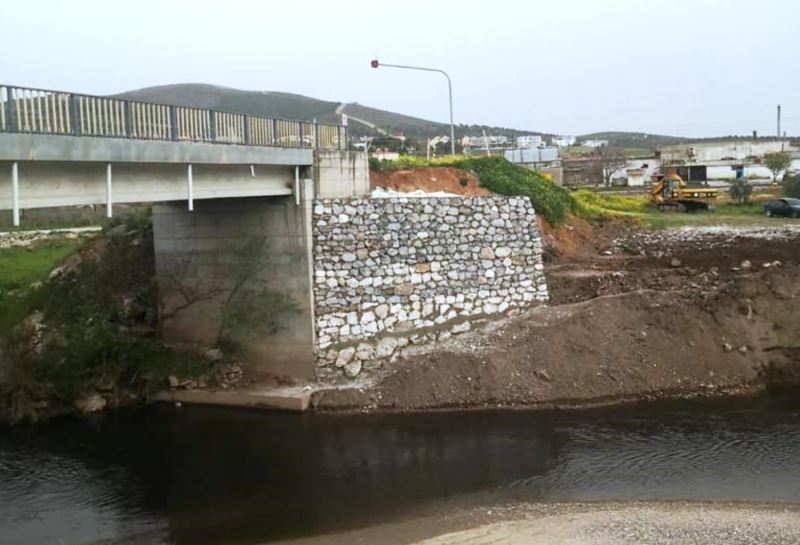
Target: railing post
[
  {"x": 274, "y": 131},
  {"x": 212, "y": 125},
  {"x": 316, "y": 135},
  {"x": 109, "y": 197},
  {"x": 75, "y": 114},
  {"x": 300, "y": 124},
  {"x": 246, "y": 129},
  {"x": 11, "y": 112},
  {"x": 173, "y": 123},
  {"x": 189, "y": 188},
  {"x": 338, "y": 137},
  {"x": 15, "y": 193},
  {"x": 128, "y": 118}
]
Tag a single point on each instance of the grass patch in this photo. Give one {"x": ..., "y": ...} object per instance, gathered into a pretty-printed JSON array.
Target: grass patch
[
  {"x": 595, "y": 204},
  {"x": 598, "y": 205},
  {"x": 99, "y": 329},
  {"x": 410, "y": 161},
  {"x": 19, "y": 268}
]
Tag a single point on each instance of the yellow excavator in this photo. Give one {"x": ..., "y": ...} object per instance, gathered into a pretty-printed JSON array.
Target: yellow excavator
[{"x": 672, "y": 194}]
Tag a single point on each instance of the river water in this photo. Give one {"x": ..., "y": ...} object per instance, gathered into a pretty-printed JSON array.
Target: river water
[{"x": 197, "y": 476}]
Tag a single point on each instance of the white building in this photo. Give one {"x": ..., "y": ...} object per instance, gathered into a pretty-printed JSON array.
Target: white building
[
  {"x": 637, "y": 172},
  {"x": 480, "y": 142},
  {"x": 594, "y": 143},
  {"x": 529, "y": 142},
  {"x": 385, "y": 155},
  {"x": 707, "y": 153},
  {"x": 562, "y": 141},
  {"x": 721, "y": 160}
]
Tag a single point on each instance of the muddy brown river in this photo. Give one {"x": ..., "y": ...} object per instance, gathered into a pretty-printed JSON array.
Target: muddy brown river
[{"x": 192, "y": 475}]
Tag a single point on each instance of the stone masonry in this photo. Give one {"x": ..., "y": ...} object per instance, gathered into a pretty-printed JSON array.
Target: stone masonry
[{"x": 400, "y": 271}]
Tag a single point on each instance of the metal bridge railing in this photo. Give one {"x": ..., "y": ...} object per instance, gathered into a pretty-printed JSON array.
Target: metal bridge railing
[{"x": 27, "y": 110}]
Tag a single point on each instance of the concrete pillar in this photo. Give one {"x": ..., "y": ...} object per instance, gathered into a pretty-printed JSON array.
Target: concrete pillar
[
  {"x": 341, "y": 174},
  {"x": 199, "y": 258}
]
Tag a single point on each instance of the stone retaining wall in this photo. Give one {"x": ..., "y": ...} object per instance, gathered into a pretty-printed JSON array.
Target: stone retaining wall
[{"x": 394, "y": 272}]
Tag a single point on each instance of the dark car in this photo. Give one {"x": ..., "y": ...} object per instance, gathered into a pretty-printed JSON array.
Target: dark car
[{"x": 789, "y": 208}]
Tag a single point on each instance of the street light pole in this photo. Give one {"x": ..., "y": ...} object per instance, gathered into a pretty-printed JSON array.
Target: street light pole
[{"x": 376, "y": 64}]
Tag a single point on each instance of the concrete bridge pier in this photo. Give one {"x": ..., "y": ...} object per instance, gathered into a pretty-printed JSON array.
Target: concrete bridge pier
[{"x": 237, "y": 271}]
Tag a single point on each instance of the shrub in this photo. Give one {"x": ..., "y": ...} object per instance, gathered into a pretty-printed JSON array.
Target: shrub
[
  {"x": 791, "y": 186},
  {"x": 502, "y": 177},
  {"x": 741, "y": 190},
  {"x": 92, "y": 339}
]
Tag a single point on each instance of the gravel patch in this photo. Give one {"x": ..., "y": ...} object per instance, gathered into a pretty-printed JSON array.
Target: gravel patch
[{"x": 664, "y": 524}]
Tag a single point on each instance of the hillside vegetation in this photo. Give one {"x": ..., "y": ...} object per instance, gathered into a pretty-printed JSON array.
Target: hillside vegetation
[{"x": 502, "y": 177}]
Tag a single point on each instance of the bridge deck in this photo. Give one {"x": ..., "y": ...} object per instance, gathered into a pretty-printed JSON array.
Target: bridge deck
[
  {"x": 27, "y": 110},
  {"x": 63, "y": 149}
]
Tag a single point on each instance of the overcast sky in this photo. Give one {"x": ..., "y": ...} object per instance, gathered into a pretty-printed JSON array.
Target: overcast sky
[{"x": 684, "y": 67}]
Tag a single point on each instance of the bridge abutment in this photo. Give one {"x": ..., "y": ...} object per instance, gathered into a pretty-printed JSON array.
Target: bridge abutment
[{"x": 237, "y": 271}]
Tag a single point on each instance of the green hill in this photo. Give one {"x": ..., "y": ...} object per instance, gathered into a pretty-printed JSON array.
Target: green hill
[
  {"x": 293, "y": 106},
  {"x": 262, "y": 103}
]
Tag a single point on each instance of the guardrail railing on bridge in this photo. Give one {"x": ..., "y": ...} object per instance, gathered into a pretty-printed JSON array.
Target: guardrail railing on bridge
[{"x": 28, "y": 110}]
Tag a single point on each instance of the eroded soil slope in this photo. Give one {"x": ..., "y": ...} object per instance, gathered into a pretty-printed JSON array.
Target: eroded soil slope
[
  {"x": 634, "y": 315},
  {"x": 433, "y": 179}
]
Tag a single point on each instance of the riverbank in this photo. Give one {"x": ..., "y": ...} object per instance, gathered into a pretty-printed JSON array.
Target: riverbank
[
  {"x": 79, "y": 321},
  {"x": 634, "y": 315}
]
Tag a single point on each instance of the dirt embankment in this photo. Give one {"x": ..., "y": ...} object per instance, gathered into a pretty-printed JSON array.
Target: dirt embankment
[
  {"x": 634, "y": 315},
  {"x": 431, "y": 179}
]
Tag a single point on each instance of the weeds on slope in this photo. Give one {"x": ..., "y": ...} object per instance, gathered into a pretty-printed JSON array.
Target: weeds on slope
[{"x": 499, "y": 176}]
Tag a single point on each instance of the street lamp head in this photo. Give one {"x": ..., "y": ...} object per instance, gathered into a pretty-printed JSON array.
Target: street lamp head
[{"x": 374, "y": 63}]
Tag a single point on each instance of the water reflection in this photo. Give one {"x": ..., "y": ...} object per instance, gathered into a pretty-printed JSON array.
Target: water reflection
[{"x": 207, "y": 476}]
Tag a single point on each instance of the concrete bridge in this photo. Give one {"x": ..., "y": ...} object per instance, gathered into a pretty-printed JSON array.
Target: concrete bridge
[
  {"x": 217, "y": 181},
  {"x": 62, "y": 149},
  {"x": 263, "y": 237}
]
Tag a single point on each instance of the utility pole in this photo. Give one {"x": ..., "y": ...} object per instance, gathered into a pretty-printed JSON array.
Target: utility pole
[{"x": 779, "y": 120}]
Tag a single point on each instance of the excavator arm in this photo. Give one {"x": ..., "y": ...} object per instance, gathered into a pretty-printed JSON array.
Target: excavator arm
[{"x": 655, "y": 192}]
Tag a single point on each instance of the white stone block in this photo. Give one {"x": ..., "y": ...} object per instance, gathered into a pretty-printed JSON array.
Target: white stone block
[
  {"x": 367, "y": 317},
  {"x": 460, "y": 328},
  {"x": 345, "y": 356}
]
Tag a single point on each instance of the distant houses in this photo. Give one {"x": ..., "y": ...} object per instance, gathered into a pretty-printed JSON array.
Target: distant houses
[
  {"x": 563, "y": 141},
  {"x": 697, "y": 162},
  {"x": 594, "y": 143},
  {"x": 703, "y": 161},
  {"x": 531, "y": 141}
]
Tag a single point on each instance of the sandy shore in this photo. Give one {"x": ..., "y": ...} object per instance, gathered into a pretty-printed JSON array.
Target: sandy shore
[
  {"x": 650, "y": 524},
  {"x": 601, "y": 523}
]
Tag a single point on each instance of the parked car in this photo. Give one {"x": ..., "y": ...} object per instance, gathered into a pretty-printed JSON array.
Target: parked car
[{"x": 789, "y": 208}]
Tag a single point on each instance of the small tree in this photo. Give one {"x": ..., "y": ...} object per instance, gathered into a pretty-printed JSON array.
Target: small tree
[
  {"x": 608, "y": 160},
  {"x": 741, "y": 190},
  {"x": 777, "y": 162}
]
